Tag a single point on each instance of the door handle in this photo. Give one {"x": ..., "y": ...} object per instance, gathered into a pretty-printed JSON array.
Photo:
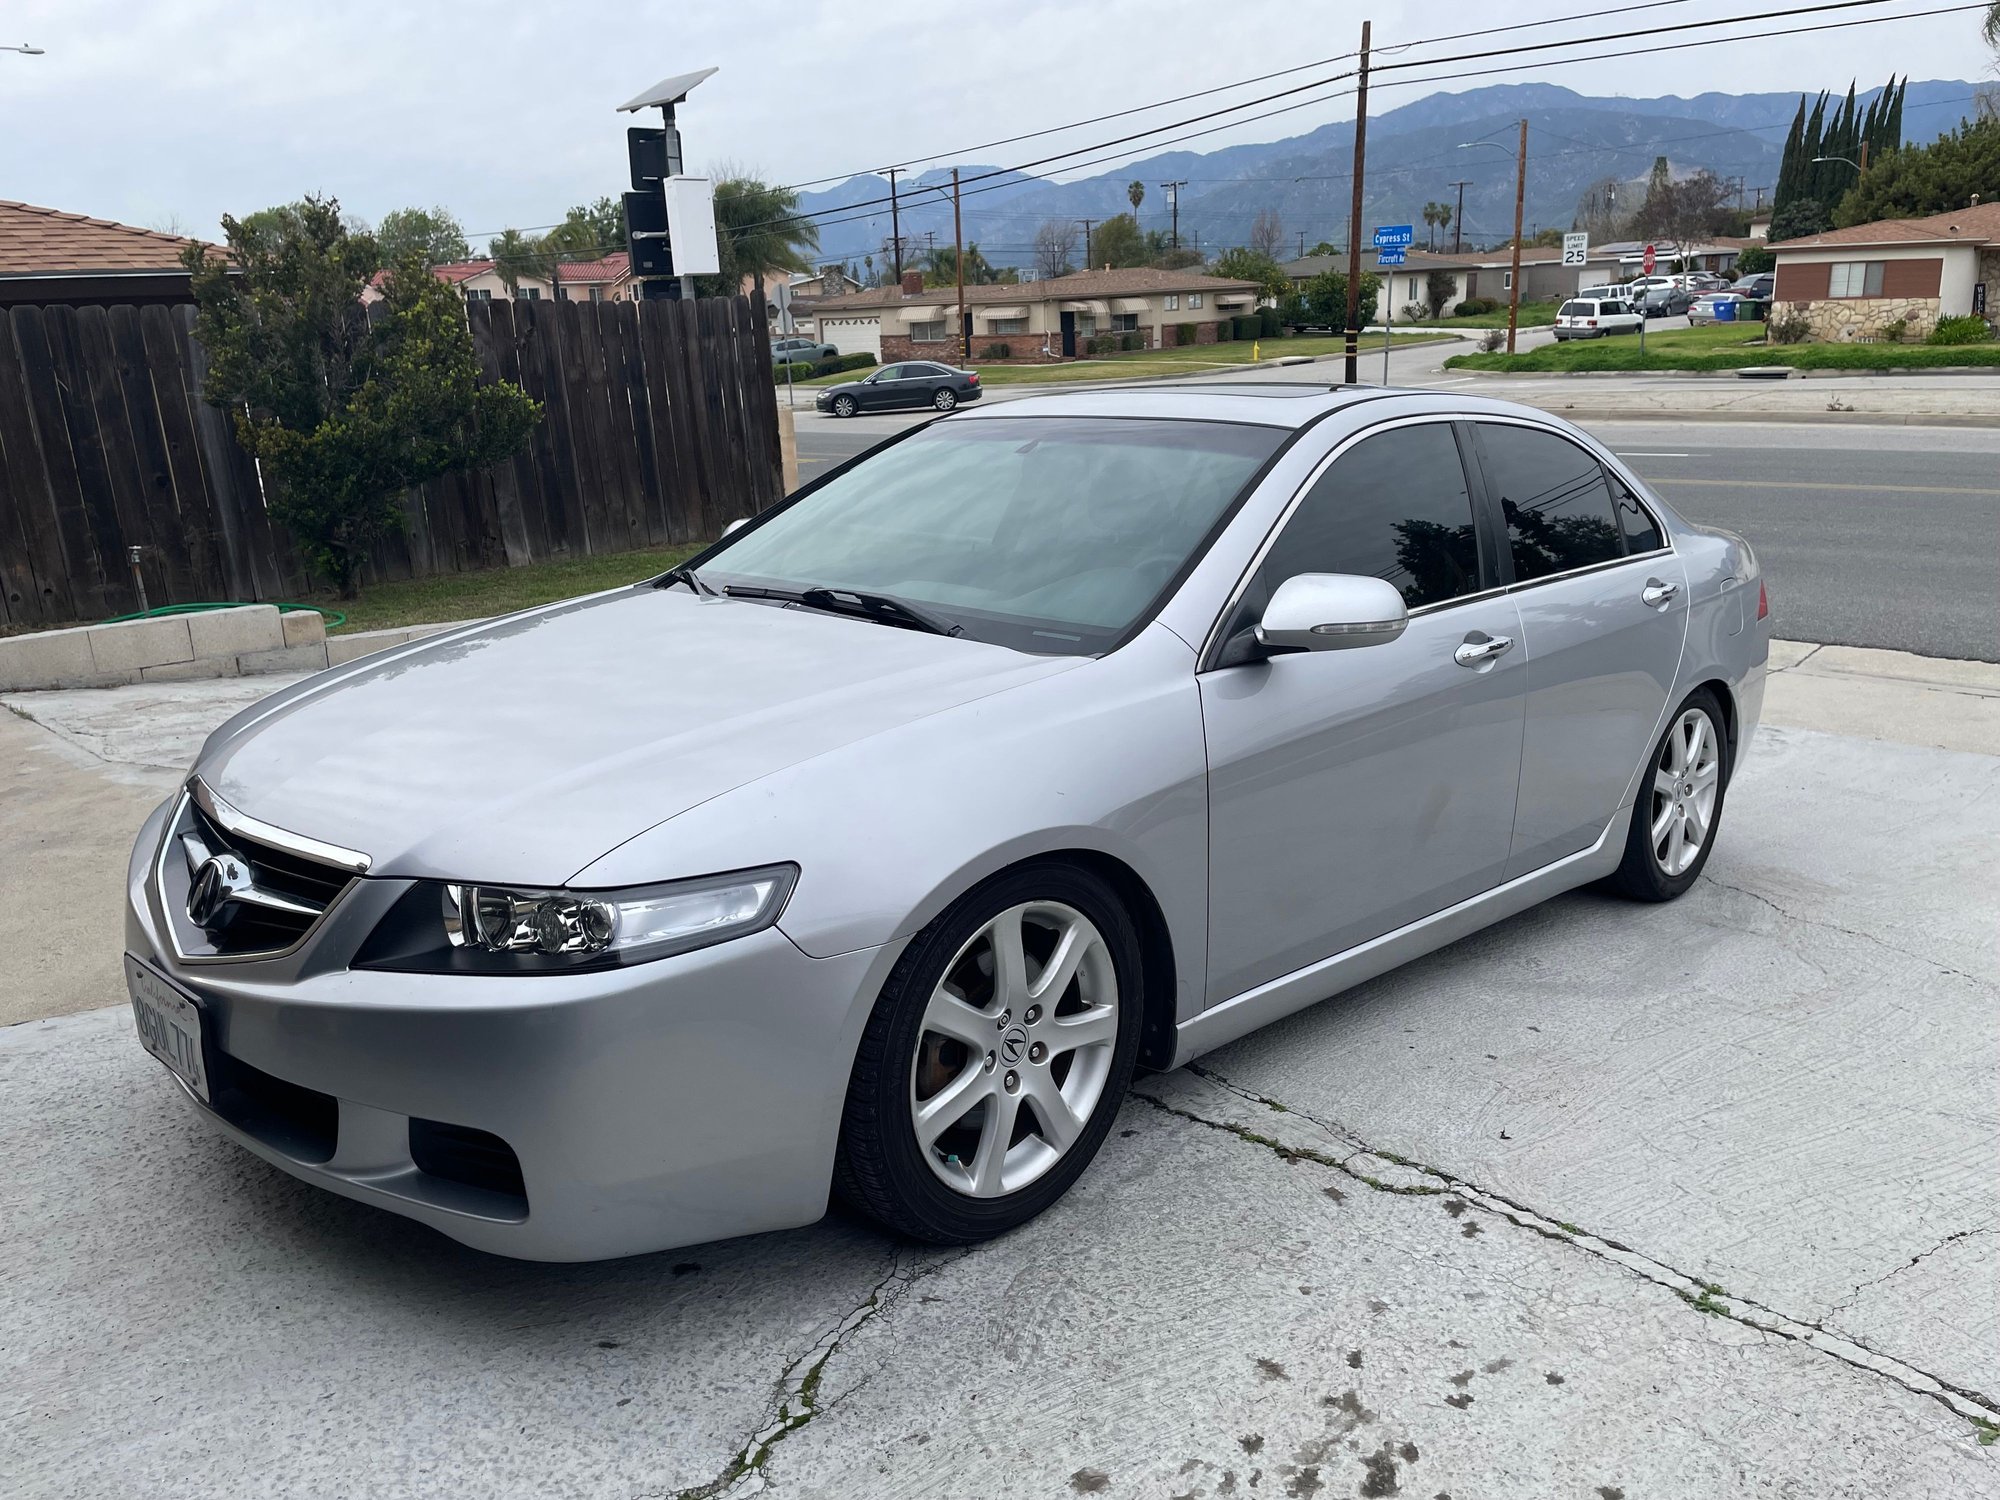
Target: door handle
[
  {"x": 1480, "y": 648},
  {"x": 1657, "y": 594}
]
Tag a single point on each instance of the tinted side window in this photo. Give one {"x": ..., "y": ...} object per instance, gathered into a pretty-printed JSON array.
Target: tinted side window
[
  {"x": 1642, "y": 532},
  {"x": 1553, "y": 494},
  {"x": 1395, "y": 506}
]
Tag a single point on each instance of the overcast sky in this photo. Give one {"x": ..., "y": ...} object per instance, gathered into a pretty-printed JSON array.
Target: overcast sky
[{"x": 173, "y": 112}]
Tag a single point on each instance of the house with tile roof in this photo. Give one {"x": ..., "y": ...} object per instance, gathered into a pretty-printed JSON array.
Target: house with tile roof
[
  {"x": 605, "y": 280},
  {"x": 1034, "y": 320},
  {"x": 52, "y": 258},
  {"x": 1852, "y": 283}
]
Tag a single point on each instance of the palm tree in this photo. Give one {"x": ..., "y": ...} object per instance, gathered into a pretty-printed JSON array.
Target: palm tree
[
  {"x": 1135, "y": 190},
  {"x": 1990, "y": 27},
  {"x": 1444, "y": 222},
  {"x": 515, "y": 255},
  {"x": 1430, "y": 225},
  {"x": 759, "y": 230}
]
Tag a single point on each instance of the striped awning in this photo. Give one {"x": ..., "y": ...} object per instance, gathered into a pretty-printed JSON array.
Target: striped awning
[
  {"x": 1130, "y": 305},
  {"x": 1232, "y": 298},
  {"x": 1003, "y": 312},
  {"x": 922, "y": 312},
  {"x": 1096, "y": 307}
]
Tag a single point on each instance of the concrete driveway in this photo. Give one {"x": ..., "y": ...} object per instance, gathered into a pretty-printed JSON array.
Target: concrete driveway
[{"x": 1607, "y": 1201}]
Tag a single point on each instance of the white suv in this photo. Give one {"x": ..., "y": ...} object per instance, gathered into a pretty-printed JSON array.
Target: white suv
[{"x": 1593, "y": 318}]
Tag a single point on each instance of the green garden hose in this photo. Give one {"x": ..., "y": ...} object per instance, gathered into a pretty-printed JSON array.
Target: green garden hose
[{"x": 334, "y": 618}]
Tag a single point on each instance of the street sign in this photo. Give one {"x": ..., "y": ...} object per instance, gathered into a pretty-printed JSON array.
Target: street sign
[
  {"x": 1646, "y": 261},
  {"x": 1398, "y": 235},
  {"x": 781, "y": 298},
  {"x": 1576, "y": 249},
  {"x": 1391, "y": 255}
]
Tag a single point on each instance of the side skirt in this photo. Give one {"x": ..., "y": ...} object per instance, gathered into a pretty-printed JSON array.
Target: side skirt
[{"x": 1242, "y": 1014}]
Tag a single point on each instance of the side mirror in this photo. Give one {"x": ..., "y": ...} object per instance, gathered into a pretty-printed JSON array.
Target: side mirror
[
  {"x": 736, "y": 525},
  {"x": 1332, "y": 612}
]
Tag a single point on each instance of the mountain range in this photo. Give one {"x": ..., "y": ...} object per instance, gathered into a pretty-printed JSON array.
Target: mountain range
[{"x": 1415, "y": 156}]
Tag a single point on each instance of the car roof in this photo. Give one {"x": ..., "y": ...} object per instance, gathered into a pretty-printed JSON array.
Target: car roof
[{"x": 1289, "y": 404}]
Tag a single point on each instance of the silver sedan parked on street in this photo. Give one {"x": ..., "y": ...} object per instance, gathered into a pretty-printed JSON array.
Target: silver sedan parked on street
[{"x": 871, "y": 852}]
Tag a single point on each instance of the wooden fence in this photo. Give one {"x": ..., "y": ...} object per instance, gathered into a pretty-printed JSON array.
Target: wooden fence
[{"x": 659, "y": 427}]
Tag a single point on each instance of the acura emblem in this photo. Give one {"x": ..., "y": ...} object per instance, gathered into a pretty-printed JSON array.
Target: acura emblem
[{"x": 217, "y": 882}]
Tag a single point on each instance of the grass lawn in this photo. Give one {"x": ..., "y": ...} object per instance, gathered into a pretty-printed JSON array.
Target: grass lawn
[
  {"x": 469, "y": 596},
  {"x": 1726, "y": 346},
  {"x": 1533, "y": 315},
  {"x": 1140, "y": 364}
]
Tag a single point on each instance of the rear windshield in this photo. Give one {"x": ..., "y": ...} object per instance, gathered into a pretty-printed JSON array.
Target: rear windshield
[
  {"x": 1579, "y": 310},
  {"x": 1049, "y": 534}
]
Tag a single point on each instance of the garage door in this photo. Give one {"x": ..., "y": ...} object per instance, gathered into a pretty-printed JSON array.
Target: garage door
[{"x": 853, "y": 335}]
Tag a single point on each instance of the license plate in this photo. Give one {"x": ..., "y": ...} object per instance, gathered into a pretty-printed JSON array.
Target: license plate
[{"x": 169, "y": 1024}]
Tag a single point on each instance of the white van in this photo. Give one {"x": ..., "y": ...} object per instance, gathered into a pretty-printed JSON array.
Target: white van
[{"x": 1594, "y": 318}]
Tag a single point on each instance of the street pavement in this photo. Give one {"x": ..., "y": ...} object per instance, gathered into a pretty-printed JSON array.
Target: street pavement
[{"x": 1609, "y": 1200}]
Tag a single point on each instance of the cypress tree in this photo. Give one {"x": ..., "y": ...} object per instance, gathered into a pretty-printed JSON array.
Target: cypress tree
[{"x": 1788, "y": 164}]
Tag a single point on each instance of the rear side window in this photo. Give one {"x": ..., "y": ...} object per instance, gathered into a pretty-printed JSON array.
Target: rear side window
[
  {"x": 1642, "y": 532},
  {"x": 1394, "y": 506},
  {"x": 1555, "y": 500}
]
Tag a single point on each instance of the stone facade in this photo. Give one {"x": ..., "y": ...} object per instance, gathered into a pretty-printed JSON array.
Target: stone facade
[
  {"x": 1989, "y": 273},
  {"x": 1849, "y": 320}
]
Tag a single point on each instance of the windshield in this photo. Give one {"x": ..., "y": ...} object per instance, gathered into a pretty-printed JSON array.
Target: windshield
[{"x": 1049, "y": 534}]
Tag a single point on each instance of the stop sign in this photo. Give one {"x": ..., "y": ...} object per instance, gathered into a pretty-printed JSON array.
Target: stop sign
[{"x": 1647, "y": 263}]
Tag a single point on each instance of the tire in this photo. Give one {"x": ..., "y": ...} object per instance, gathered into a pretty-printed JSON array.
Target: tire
[
  {"x": 844, "y": 406},
  {"x": 955, "y": 1188},
  {"x": 945, "y": 400},
  {"x": 1674, "y": 794}
]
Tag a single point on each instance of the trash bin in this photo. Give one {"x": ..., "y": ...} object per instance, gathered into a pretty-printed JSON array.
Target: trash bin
[{"x": 1725, "y": 310}]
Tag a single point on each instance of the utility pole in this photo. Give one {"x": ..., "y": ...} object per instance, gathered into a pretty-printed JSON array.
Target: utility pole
[
  {"x": 958, "y": 264},
  {"x": 1458, "y": 218},
  {"x": 1086, "y": 223},
  {"x": 1520, "y": 199},
  {"x": 1174, "y": 207},
  {"x": 1302, "y": 244},
  {"x": 1352, "y": 374},
  {"x": 895, "y": 227}
]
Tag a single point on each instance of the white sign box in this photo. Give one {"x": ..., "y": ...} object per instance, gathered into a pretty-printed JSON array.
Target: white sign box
[
  {"x": 691, "y": 226},
  {"x": 1576, "y": 249}
]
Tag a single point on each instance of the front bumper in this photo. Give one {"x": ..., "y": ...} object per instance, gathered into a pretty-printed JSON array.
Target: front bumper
[{"x": 689, "y": 1099}]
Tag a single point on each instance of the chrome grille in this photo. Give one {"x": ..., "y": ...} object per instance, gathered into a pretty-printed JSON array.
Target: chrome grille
[{"x": 231, "y": 889}]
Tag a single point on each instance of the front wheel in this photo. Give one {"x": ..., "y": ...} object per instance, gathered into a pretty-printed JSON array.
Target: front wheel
[
  {"x": 944, "y": 400},
  {"x": 1679, "y": 807},
  {"x": 843, "y": 406},
  {"x": 995, "y": 1059}
]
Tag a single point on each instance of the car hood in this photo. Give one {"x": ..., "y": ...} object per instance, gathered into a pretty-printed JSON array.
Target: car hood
[{"x": 522, "y": 750}]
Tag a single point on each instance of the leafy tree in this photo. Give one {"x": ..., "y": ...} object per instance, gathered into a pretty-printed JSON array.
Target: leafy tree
[
  {"x": 1184, "y": 259},
  {"x": 1325, "y": 298},
  {"x": 1327, "y": 247},
  {"x": 1055, "y": 248},
  {"x": 1755, "y": 260},
  {"x": 1439, "y": 288},
  {"x": 1929, "y": 179},
  {"x": 1252, "y": 265},
  {"x": 940, "y": 266},
  {"x": 431, "y": 234},
  {"x": 1797, "y": 219},
  {"x": 343, "y": 411},
  {"x": 1685, "y": 212},
  {"x": 1118, "y": 242}
]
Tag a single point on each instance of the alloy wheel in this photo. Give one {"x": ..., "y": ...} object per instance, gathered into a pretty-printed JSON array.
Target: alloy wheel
[
  {"x": 1015, "y": 1048},
  {"x": 1686, "y": 780},
  {"x": 944, "y": 401}
]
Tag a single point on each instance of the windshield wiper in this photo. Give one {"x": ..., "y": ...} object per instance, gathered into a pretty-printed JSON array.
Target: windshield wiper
[
  {"x": 884, "y": 609},
  {"x": 688, "y": 576}
]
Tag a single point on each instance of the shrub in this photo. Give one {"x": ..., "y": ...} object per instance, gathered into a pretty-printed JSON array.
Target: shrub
[
  {"x": 1473, "y": 307},
  {"x": 1131, "y": 339},
  {"x": 842, "y": 362},
  {"x": 1184, "y": 334},
  {"x": 1970, "y": 329},
  {"x": 796, "y": 370},
  {"x": 1222, "y": 334},
  {"x": 996, "y": 351},
  {"x": 1415, "y": 312},
  {"x": 1269, "y": 324},
  {"x": 1492, "y": 341},
  {"x": 1790, "y": 327},
  {"x": 1247, "y": 327},
  {"x": 1755, "y": 260},
  {"x": 1102, "y": 343},
  {"x": 1892, "y": 333},
  {"x": 1292, "y": 311}
]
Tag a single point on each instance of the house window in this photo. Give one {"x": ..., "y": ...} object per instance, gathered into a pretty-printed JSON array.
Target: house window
[
  {"x": 1125, "y": 322},
  {"x": 1854, "y": 278},
  {"x": 597, "y": 294},
  {"x": 528, "y": 294},
  {"x": 1009, "y": 325},
  {"x": 478, "y": 294},
  {"x": 1194, "y": 301},
  {"x": 1173, "y": 301},
  {"x": 1086, "y": 323},
  {"x": 927, "y": 333},
  {"x": 1506, "y": 281}
]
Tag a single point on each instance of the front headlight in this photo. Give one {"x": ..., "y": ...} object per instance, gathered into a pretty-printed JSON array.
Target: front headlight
[{"x": 466, "y": 928}]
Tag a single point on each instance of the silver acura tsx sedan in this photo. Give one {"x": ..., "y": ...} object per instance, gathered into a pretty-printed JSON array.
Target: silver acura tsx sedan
[{"x": 872, "y": 851}]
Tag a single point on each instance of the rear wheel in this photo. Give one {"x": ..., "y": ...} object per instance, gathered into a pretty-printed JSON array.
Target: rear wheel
[
  {"x": 1679, "y": 807},
  {"x": 995, "y": 1059},
  {"x": 843, "y": 406},
  {"x": 945, "y": 400}
]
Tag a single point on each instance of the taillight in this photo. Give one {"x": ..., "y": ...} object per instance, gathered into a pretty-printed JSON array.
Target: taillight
[
  {"x": 972, "y": 377},
  {"x": 1591, "y": 324},
  {"x": 1763, "y": 604}
]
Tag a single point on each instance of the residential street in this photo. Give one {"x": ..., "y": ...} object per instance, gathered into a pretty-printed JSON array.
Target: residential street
[{"x": 1681, "y": 1200}]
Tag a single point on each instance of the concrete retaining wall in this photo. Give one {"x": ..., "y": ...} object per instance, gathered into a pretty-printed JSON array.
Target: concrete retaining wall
[{"x": 215, "y": 643}]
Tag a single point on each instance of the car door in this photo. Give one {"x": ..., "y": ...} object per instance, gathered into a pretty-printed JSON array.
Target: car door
[
  {"x": 1603, "y": 615},
  {"x": 921, "y": 384},
  {"x": 880, "y": 389},
  {"x": 1351, "y": 792}
]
